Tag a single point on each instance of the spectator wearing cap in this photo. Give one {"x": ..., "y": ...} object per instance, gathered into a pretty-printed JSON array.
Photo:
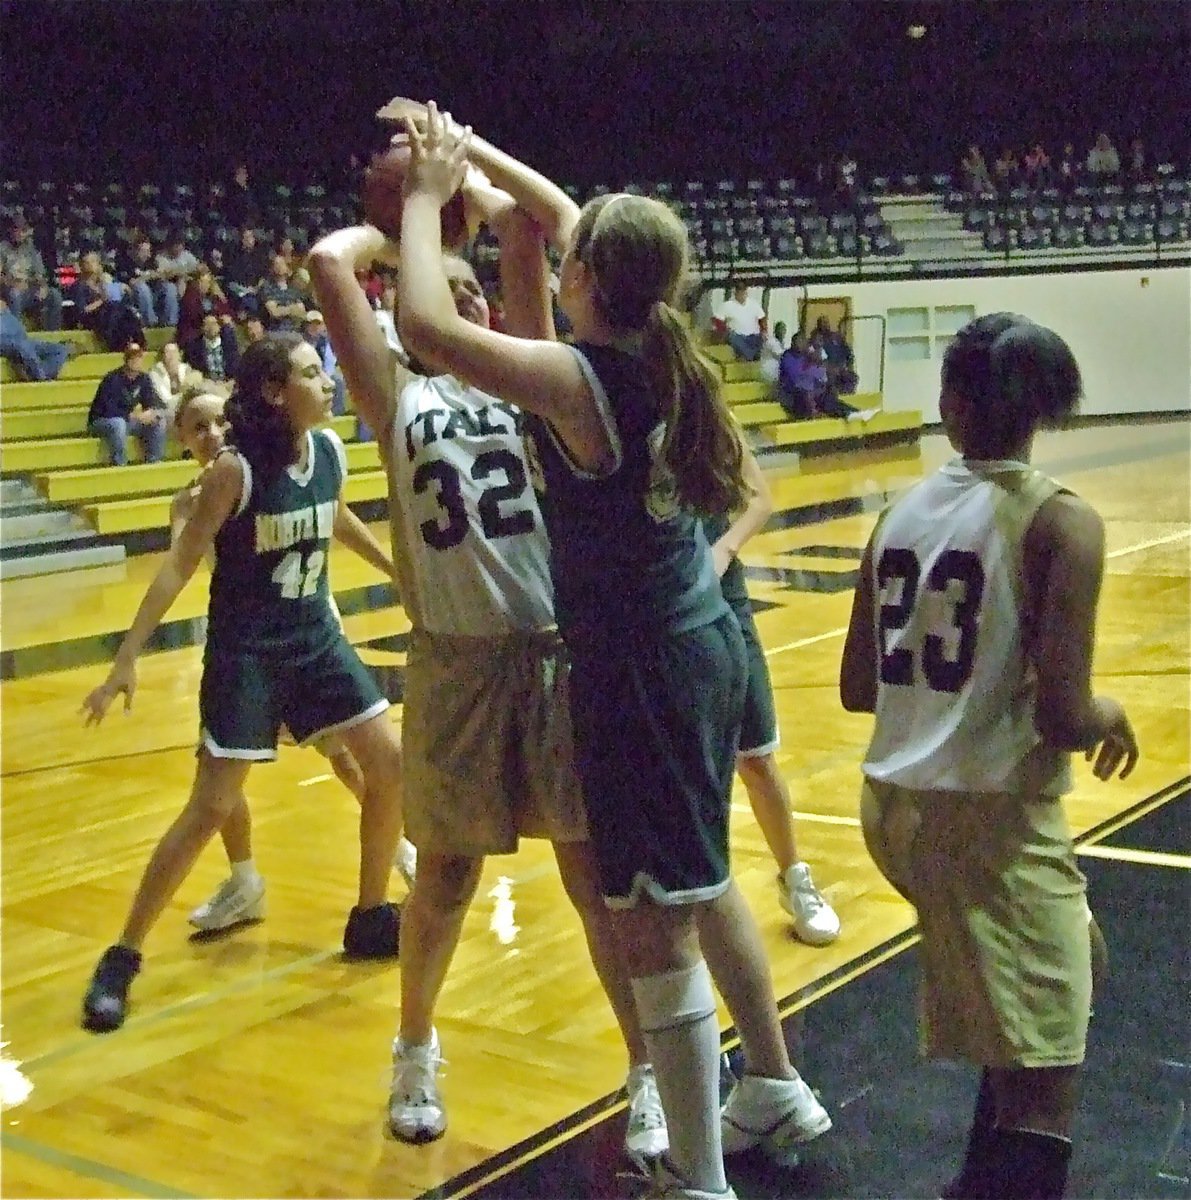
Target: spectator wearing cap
[
  {"x": 24, "y": 272},
  {"x": 35, "y": 359},
  {"x": 127, "y": 402},
  {"x": 314, "y": 330}
]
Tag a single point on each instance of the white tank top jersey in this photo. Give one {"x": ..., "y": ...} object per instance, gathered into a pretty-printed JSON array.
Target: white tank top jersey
[
  {"x": 956, "y": 687},
  {"x": 469, "y": 545}
]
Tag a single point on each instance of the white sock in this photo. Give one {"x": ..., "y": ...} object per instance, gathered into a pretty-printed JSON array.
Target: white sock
[
  {"x": 678, "y": 1021},
  {"x": 244, "y": 872}
]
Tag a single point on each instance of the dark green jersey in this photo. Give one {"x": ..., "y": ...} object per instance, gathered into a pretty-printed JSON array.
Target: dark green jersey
[
  {"x": 732, "y": 582},
  {"x": 269, "y": 592},
  {"x": 624, "y": 554}
]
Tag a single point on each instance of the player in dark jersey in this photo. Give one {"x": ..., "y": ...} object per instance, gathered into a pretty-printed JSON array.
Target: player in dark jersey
[
  {"x": 631, "y": 438},
  {"x": 275, "y": 653},
  {"x": 200, "y": 423},
  {"x": 971, "y": 641}
]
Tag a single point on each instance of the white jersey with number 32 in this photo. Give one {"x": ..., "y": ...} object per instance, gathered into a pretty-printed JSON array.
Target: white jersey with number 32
[
  {"x": 956, "y": 687},
  {"x": 469, "y": 544}
]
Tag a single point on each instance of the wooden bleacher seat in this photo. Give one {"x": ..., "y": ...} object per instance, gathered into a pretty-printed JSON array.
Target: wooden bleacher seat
[
  {"x": 96, "y": 484},
  {"x": 143, "y": 513},
  {"x": 38, "y": 455},
  {"x": 82, "y": 366},
  {"x": 58, "y": 393}
]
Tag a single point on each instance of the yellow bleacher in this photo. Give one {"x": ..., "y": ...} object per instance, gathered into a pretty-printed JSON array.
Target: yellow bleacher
[{"x": 43, "y": 436}]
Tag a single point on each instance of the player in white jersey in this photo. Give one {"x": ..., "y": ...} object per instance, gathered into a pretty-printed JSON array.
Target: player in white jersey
[
  {"x": 487, "y": 737},
  {"x": 971, "y": 641}
]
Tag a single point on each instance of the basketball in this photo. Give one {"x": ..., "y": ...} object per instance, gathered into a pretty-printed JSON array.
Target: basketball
[{"x": 382, "y": 197}]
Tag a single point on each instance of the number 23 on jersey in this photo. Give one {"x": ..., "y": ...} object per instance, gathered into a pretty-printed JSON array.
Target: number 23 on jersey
[{"x": 955, "y": 583}]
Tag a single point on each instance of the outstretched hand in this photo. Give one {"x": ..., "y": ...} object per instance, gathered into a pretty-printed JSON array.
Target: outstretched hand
[
  {"x": 121, "y": 678},
  {"x": 438, "y": 161}
]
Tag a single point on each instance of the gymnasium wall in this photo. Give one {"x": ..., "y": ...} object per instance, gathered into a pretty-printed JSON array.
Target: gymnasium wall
[{"x": 1130, "y": 331}]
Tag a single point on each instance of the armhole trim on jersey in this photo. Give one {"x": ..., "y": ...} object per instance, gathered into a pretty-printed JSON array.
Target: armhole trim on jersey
[
  {"x": 245, "y": 477},
  {"x": 604, "y": 408},
  {"x": 336, "y": 444}
]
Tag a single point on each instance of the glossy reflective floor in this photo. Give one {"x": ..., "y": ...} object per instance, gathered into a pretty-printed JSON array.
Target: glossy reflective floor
[{"x": 256, "y": 1064}]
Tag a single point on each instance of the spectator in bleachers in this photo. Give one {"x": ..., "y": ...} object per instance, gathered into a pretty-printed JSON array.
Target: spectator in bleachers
[
  {"x": 803, "y": 386},
  {"x": 974, "y": 172},
  {"x": 1067, "y": 168},
  {"x": 773, "y": 346},
  {"x": 1103, "y": 163},
  {"x": 171, "y": 376},
  {"x": 155, "y": 298},
  {"x": 742, "y": 321},
  {"x": 1137, "y": 171},
  {"x": 289, "y": 251},
  {"x": 34, "y": 359},
  {"x": 1006, "y": 170},
  {"x": 246, "y": 265},
  {"x": 837, "y": 357},
  {"x": 314, "y": 330},
  {"x": 114, "y": 322},
  {"x": 177, "y": 264},
  {"x": 284, "y": 308},
  {"x": 23, "y": 271},
  {"x": 126, "y": 402},
  {"x": 240, "y": 204},
  {"x": 1036, "y": 166},
  {"x": 214, "y": 351},
  {"x": 203, "y": 297},
  {"x": 254, "y": 329}
]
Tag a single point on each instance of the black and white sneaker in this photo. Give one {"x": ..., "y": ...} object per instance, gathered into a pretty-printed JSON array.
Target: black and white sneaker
[{"x": 106, "y": 1001}]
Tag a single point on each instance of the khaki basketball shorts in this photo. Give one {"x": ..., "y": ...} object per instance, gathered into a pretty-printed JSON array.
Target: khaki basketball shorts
[
  {"x": 489, "y": 754},
  {"x": 1006, "y": 960}
]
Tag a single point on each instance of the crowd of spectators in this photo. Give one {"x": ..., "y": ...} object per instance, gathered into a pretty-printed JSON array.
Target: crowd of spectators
[{"x": 1064, "y": 170}]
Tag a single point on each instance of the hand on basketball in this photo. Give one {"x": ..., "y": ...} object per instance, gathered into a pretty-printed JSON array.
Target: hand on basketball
[
  {"x": 121, "y": 678},
  {"x": 438, "y": 159},
  {"x": 1117, "y": 745}
]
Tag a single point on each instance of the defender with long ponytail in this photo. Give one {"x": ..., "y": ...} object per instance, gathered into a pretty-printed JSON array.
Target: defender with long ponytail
[{"x": 630, "y": 440}]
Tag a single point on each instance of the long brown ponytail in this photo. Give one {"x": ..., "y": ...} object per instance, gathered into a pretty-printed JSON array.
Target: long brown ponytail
[{"x": 637, "y": 250}]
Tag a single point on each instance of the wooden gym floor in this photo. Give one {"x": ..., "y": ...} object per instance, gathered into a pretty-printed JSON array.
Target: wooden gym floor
[{"x": 255, "y": 1064}]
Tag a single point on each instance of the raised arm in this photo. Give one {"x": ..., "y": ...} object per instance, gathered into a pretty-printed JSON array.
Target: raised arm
[
  {"x": 554, "y": 212},
  {"x": 542, "y": 377},
  {"x": 371, "y": 369},
  {"x": 218, "y": 497}
]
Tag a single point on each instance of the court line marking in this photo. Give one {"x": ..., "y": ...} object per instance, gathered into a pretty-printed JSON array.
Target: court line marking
[
  {"x": 1160, "y": 541},
  {"x": 90, "y": 1169},
  {"x": 817, "y": 818},
  {"x": 1149, "y": 858},
  {"x": 833, "y": 633}
]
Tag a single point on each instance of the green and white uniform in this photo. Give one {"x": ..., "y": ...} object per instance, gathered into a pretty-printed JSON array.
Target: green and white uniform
[
  {"x": 275, "y": 653},
  {"x": 658, "y": 670},
  {"x": 758, "y": 726}
]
